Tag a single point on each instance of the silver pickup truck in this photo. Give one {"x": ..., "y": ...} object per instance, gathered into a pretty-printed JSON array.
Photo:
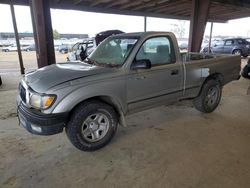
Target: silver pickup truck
[{"x": 127, "y": 73}]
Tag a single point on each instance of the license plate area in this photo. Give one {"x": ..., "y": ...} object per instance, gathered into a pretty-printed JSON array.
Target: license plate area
[{"x": 22, "y": 121}]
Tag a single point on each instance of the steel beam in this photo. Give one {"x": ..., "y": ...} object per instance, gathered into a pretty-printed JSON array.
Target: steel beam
[
  {"x": 199, "y": 17},
  {"x": 43, "y": 32},
  {"x": 17, "y": 38},
  {"x": 210, "y": 37},
  {"x": 34, "y": 30}
]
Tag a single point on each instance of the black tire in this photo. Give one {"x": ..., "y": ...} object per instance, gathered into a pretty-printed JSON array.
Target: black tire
[
  {"x": 237, "y": 52},
  {"x": 245, "y": 56},
  {"x": 84, "y": 113},
  {"x": 209, "y": 97},
  {"x": 246, "y": 71},
  {"x": 6, "y": 50}
]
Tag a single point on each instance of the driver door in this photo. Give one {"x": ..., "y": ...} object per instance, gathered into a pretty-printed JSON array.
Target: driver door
[{"x": 162, "y": 83}]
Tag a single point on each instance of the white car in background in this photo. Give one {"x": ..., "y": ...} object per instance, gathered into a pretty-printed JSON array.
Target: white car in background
[
  {"x": 13, "y": 48},
  {"x": 10, "y": 48}
]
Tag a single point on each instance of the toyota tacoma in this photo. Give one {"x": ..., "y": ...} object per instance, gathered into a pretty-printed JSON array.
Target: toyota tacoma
[{"x": 126, "y": 73}]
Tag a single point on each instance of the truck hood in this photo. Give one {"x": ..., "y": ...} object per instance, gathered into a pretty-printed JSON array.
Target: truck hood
[{"x": 44, "y": 78}]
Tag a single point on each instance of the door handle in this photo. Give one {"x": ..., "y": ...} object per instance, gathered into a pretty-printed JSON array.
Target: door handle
[{"x": 174, "y": 72}]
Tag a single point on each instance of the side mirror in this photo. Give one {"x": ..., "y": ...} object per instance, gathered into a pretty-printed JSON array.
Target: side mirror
[{"x": 141, "y": 64}]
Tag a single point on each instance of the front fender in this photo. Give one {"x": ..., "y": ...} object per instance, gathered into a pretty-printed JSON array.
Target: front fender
[{"x": 116, "y": 91}]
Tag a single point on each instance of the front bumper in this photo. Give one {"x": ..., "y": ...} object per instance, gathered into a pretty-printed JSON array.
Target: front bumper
[{"x": 39, "y": 123}]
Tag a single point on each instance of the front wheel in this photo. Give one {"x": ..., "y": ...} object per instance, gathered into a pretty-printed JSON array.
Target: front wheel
[
  {"x": 92, "y": 125},
  {"x": 209, "y": 97}
]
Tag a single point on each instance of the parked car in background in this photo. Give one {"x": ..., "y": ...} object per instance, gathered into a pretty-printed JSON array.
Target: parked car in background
[
  {"x": 81, "y": 50},
  {"x": 204, "y": 49},
  {"x": 105, "y": 34},
  {"x": 64, "y": 48},
  {"x": 13, "y": 48},
  {"x": 56, "y": 47},
  {"x": 10, "y": 48},
  {"x": 28, "y": 48},
  {"x": 237, "y": 46},
  {"x": 183, "y": 46}
]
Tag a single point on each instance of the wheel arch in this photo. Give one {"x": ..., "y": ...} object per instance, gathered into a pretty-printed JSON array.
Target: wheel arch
[
  {"x": 107, "y": 100},
  {"x": 215, "y": 76}
]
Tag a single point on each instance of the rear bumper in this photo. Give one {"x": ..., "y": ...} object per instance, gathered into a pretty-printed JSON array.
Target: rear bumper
[{"x": 39, "y": 123}]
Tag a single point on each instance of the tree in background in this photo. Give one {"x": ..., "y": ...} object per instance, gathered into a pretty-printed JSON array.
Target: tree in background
[
  {"x": 56, "y": 34},
  {"x": 179, "y": 28}
]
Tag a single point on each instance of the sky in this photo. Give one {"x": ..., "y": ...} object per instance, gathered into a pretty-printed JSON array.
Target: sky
[{"x": 68, "y": 21}]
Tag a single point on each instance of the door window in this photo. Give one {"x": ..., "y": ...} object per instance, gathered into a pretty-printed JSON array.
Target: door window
[
  {"x": 229, "y": 42},
  {"x": 241, "y": 41},
  {"x": 159, "y": 50}
]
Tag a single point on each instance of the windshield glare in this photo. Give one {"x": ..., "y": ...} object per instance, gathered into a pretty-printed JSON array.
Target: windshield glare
[{"x": 113, "y": 51}]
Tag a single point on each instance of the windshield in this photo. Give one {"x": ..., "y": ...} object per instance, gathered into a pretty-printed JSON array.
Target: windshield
[{"x": 113, "y": 51}]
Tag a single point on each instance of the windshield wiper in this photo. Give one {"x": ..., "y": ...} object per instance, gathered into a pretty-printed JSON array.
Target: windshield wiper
[
  {"x": 91, "y": 61},
  {"x": 110, "y": 65}
]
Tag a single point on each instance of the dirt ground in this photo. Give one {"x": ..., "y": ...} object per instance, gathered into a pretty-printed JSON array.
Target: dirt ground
[
  {"x": 169, "y": 146},
  {"x": 9, "y": 61}
]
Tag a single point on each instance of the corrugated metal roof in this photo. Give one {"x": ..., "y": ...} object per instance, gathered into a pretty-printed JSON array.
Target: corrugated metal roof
[{"x": 220, "y": 10}]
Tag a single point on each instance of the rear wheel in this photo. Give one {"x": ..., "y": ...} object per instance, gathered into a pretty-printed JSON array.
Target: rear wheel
[
  {"x": 209, "y": 97},
  {"x": 92, "y": 126},
  {"x": 237, "y": 52}
]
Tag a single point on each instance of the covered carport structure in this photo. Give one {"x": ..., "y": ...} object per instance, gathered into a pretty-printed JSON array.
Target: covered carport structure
[
  {"x": 197, "y": 11},
  {"x": 170, "y": 147}
]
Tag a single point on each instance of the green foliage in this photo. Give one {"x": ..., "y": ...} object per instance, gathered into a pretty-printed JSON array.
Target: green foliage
[{"x": 56, "y": 35}]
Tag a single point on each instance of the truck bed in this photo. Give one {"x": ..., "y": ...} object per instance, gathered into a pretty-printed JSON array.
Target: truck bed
[{"x": 199, "y": 67}]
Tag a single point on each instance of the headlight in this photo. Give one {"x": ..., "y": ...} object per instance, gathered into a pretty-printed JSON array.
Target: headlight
[
  {"x": 35, "y": 101},
  {"x": 41, "y": 101}
]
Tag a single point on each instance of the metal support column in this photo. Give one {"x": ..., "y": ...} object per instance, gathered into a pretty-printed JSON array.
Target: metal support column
[
  {"x": 17, "y": 38},
  {"x": 43, "y": 32},
  {"x": 34, "y": 29},
  {"x": 145, "y": 23},
  {"x": 199, "y": 16},
  {"x": 210, "y": 37}
]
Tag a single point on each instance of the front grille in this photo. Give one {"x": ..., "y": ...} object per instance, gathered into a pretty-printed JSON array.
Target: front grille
[{"x": 22, "y": 92}]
